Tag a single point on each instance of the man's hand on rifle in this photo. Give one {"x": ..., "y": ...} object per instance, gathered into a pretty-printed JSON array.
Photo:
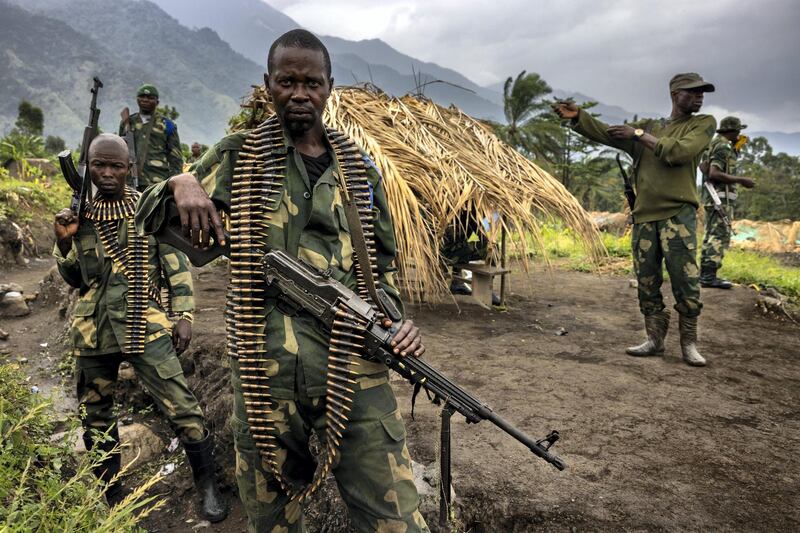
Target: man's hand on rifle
[
  {"x": 65, "y": 227},
  {"x": 198, "y": 212},
  {"x": 565, "y": 109},
  {"x": 407, "y": 340}
]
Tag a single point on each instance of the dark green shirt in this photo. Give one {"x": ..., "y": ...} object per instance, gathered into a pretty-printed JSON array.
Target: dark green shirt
[{"x": 666, "y": 177}]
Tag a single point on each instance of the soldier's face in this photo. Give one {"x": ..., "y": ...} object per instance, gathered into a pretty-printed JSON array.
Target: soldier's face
[
  {"x": 689, "y": 100},
  {"x": 196, "y": 150},
  {"x": 299, "y": 85},
  {"x": 108, "y": 168},
  {"x": 147, "y": 104}
]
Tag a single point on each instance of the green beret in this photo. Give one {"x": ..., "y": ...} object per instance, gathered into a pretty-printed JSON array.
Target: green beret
[{"x": 147, "y": 90}]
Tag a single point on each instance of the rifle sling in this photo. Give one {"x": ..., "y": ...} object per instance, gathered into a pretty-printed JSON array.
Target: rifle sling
[{"x": 360, "y": 247}]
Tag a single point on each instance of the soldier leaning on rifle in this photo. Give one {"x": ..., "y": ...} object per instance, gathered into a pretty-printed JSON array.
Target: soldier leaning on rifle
[
  {"x": 718, "y": 170},
  {"x": 158, "y": 147},
  {"x": 284, "y": 387},
  {"x": 118, "y": 318},
  {"x": 665, "y": 153}
]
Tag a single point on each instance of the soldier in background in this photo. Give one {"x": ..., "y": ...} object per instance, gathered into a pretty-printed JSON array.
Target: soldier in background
[
  {"x": 118, "y": 317},
  {"x": 718, "y": 170},
  {"x": 666, "y": 153},
  {"x": 197, "y": 151},
  {"x": 158, "y": 147}
]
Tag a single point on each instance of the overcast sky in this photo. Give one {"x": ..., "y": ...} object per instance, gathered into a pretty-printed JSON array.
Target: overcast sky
[{"x": 621, "y": 52}]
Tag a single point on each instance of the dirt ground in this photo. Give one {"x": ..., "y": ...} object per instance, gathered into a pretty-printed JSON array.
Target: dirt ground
[{"x": 651, "y": 444}]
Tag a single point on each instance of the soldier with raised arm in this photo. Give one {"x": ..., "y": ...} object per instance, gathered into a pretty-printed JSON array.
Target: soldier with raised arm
[{"x": 666, "y": 153}]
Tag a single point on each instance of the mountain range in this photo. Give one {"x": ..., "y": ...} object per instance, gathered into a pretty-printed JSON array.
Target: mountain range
[{"x": 203, "y": 55}]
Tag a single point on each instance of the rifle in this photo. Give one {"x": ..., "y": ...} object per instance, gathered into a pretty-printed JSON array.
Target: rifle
[
  {"x": 630, "y": 195},
  {"x": 316, "y": 293},
  {"x": 78, "y": 179},
  {"x": 127, "y": 134},
  {"x": 717, "y": 203}
]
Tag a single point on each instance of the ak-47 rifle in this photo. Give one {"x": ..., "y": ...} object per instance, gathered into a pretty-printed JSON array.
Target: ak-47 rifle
[
  {"x": 127, "y": 134},
  {"x": 717, "y": 203},
  {"x": 78, "y": 179},
  {"x": 316, "y": 293},
  {"x": 630, "y": 195}
]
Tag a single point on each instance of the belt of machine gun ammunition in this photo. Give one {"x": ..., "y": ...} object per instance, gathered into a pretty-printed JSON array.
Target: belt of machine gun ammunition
[
  {"x": 132, "y": 261},
  {"x": 257, "y": 183}
]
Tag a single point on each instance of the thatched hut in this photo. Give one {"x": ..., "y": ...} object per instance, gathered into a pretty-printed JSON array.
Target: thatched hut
[{"x": 437, "y": 164}]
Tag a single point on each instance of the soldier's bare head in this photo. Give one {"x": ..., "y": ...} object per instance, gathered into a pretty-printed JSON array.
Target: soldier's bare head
[
  {"x": 299, "y": 39},
  {"x": 109, "y": 165},
  {"x": 299, "y": 81}
]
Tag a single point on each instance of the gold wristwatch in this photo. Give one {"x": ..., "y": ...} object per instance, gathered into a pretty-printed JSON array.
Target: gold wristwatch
[{"x": 637, "y": 134}]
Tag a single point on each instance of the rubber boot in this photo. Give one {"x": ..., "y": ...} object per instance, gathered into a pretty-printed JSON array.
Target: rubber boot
[
  {"x": 201, "y": 459},
  {"x": 109, "y": 468},
  {"x": 709, "y": 279},
  {"x": 688, "y": 330},
  {"x": 656, "y": 327}
]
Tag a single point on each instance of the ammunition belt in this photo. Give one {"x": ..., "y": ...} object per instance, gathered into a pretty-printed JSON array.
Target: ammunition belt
[
  {"x": 132, "y": 262},
  {"x": 257, "y": 182}
]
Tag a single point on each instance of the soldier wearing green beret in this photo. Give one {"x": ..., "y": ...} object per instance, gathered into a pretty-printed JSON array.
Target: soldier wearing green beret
[
  {"x": 118, "y": 317},
  {"x": 282, "y": 185},
  {"x": 156, "y": 140},
  {"x": 666, "y": 153},
  {"x": 719, "y": 171}
]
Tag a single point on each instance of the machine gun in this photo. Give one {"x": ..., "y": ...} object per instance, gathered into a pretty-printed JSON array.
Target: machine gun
[
  {"x": 717, "y": 203},
  {"x": 317, "y": 294},
  {"x": 78, "y": 179},
  {"x": 127, "y": 134}
]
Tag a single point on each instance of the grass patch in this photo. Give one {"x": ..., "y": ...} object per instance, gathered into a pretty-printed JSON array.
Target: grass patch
[
  {"x": 741, "y": 266},
  {"x": 22, "y": 200},
  {"x": 750, "y": 267},
  {"x": 44, "y": 485}
]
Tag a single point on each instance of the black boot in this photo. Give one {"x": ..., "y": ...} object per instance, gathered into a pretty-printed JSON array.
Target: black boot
[
  {"x": 201, "y": 458},
  {"x": 109, "y": 468},
  {"x": 709, "y": 279}
]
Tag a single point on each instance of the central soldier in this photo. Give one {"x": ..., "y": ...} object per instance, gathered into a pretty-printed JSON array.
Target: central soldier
[{"x": 283, "y": 186}]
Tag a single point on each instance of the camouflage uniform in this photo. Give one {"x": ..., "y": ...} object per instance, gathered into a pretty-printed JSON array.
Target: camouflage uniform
[
  {"x": 665, "y": 229},
  {"x": 374, "y": 467},
  {"x": 721, "y": 155},
  {"x": 99, "y": 327},
  {"x": 160, "y": 157}
]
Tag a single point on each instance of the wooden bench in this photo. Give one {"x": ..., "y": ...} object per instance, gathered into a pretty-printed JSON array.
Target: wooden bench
[{"x": 482, "y": 280}]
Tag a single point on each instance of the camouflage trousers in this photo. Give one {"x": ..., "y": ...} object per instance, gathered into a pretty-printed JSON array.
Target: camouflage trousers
[
  {"x": 672, "y": 241},
  {"x": 159, "y": 371},
  {"x": 373, "y": 471},
  {"x": 717, "y": 238}
]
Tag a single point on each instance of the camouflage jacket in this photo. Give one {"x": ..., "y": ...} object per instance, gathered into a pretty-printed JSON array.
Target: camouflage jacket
[
  {"x": 99, "y": 325},
  {"x": 309, "y": 224},
  {"x": 162, "y": 156},
  {"x": 666, "y": 177},
  {"x": 722, "y": 155}
]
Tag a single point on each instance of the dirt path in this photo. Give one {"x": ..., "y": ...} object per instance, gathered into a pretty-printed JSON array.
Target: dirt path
[{"x": 651, "y": 444}]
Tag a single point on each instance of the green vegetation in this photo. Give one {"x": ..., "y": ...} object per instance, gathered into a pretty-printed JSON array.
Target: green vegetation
[
  {"x": 44, "y": 485},
  {"x": 741, "y": 266},
  {"x": 21, "y": 200}
]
